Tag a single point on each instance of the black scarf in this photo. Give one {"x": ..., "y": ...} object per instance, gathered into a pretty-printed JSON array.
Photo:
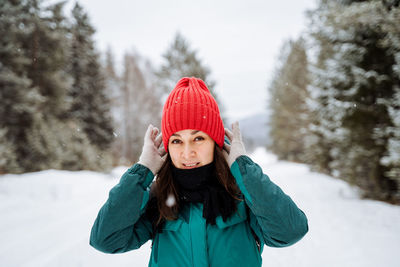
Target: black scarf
[{"x": 201, "y": 185}]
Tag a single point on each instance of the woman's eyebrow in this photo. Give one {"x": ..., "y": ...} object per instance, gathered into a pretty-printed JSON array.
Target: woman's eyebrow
[{"x": 192, "y": 133}]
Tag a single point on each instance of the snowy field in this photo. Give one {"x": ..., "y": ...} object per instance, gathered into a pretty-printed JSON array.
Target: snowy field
[{"x": 46, "y": 219}]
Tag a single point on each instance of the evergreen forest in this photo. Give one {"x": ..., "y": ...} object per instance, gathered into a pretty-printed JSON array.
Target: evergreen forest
[{"x": 334, "y": 96}]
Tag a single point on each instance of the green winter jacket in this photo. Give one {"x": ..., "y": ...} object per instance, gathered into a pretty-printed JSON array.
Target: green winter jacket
[{"x": 267, "y": 215}]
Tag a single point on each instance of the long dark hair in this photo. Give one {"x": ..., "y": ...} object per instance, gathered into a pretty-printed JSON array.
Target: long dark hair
[{"x": 164, "y": 189}]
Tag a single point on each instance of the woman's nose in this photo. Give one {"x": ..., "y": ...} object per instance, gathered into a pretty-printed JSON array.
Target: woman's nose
[{"x": 187, "y": 151}]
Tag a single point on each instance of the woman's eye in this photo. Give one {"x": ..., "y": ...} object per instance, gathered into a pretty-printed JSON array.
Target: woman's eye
[
  {"x": 199, "y": 138},
  {"x": 175, "y": 141}
]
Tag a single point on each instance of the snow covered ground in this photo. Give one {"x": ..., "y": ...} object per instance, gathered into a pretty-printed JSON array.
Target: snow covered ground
[{"x": 46, "y": 219}]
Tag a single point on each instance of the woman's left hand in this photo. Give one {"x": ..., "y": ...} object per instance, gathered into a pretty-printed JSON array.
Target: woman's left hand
[{"x": 236, "y": 148}]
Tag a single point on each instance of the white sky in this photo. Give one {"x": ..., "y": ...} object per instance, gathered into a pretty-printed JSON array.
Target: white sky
[{"x": 238, "y": 40}]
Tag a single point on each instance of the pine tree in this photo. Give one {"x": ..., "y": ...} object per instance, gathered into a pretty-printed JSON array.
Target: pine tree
[
  {"x": 43, "y": 42},
  {"x": 38, "y": 133},
  {"x": 45, "y": 46},
  {"x": 17, "y": 97},
  {"x": 114, "y": 93},
  {"x": 90, "y": 105},
  {"x": 8, "y": 155},
  {"x": 388, "y": 17},
  {"x": 181, "y": 61},
  {"x": 109, "y": 65},
  {"x": 355, "y": 82},
  {"x": 140, "y": 107},
  {"x": 322, "y": 121},
  {"x": 392, "y": 159},
  {"x": 289, "y": 111},
  {"x": 34, "y": 84}
]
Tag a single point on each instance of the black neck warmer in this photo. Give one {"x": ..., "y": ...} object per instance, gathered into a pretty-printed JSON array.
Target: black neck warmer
[{"x": 201, "y": 185}]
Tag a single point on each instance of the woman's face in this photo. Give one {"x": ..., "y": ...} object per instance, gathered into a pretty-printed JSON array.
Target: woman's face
[{"x": 190, "y": 149}]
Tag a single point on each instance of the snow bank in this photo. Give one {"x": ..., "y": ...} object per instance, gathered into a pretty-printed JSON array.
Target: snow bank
[{"x": 46, "y": 219}]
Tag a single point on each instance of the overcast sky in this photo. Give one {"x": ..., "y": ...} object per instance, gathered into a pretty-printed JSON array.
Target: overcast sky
[{"x": 238, "y": 40}]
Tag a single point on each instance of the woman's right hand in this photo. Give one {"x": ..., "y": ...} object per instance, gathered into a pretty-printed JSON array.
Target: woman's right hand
[{"x": 153, "y": 152}]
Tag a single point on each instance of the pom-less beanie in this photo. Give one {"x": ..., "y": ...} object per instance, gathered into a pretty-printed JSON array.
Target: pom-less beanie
[{"x": 190, "y": 105}]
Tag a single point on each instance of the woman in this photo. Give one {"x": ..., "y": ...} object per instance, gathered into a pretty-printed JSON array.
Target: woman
[{"x": 210, "y": 204}]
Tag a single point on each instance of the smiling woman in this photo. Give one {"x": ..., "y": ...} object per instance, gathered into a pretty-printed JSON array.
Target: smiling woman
[
  {"x": 210, "y": 204},
  {"x": 190, "y": 149}
]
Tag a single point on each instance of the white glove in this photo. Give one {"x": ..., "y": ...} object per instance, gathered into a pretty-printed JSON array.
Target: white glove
[
  {"x": 236, "y": 148},
  {"x": 153, "y": 152}
]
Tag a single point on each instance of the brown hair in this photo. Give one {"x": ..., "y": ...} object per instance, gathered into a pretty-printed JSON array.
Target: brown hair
[{"x": 165, "y": 187}]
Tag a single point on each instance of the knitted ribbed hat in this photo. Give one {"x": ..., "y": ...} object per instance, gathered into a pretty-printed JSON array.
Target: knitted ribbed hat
[{"x": 191, "y": 106}]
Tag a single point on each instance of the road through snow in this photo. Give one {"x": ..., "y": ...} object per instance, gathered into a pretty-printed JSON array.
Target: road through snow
[{"x": 46, "y": 219}]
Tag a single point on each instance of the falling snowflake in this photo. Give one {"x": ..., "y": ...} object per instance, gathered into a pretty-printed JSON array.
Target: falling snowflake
[{"x": 170, "y": 201}]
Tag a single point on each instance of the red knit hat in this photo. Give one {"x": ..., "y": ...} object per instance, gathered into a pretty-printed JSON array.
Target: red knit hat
[{"x": 191, "y": 106}]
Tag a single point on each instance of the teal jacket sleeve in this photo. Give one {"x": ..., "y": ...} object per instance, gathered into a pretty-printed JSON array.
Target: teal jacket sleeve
[
  {"x": 274, "y": 216},
  {"x": 121, "y": 225}
]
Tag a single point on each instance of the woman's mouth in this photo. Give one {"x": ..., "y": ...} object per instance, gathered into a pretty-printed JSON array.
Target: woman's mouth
[{"x": 190, "y": 165}]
